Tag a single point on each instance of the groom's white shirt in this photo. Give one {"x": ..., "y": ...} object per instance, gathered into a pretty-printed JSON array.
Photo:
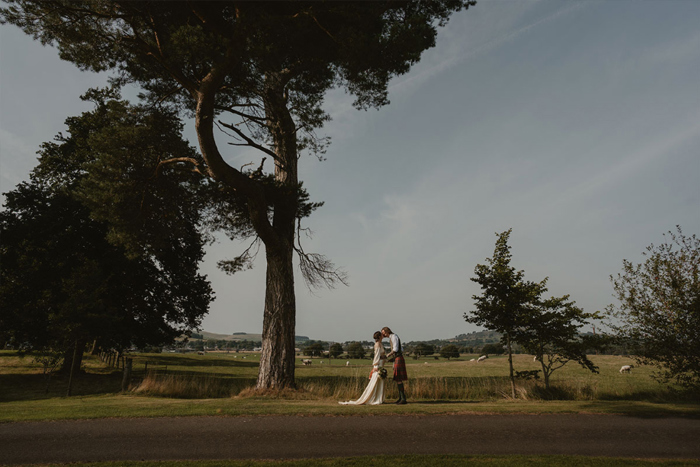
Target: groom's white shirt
[{"x": 394, "y": 340}]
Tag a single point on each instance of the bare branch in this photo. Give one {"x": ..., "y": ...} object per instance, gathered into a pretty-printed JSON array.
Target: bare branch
[
  {"x": 241, "y": 262},
  {"x": 251, "y": 143},
  {"x": 317, "y": 269},
  {"x": 254, "y": 118}
]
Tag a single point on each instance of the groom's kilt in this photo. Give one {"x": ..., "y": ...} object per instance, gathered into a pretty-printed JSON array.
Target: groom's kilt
[{"x": 400, "y": 370}]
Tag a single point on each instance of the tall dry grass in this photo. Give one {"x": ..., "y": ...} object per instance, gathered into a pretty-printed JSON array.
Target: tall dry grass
[
  {"x": 190, "y": 386},
  {"x": 207, "y": 386},
  {"x": 572, "y": 384}
]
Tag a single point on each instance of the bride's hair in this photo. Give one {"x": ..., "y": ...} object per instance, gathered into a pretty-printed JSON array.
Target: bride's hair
[{"x": 377, "y": 336}]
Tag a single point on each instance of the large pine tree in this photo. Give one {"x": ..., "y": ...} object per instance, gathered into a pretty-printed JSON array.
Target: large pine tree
[{"x": 259, "y": 72}]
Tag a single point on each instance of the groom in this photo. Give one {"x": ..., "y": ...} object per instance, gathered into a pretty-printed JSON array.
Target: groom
[{"x": 399, "y": 364}]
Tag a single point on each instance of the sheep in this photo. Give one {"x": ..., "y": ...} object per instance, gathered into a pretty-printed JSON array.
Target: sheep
[
  {"x": 347, "y": 363},
  {"x": 482, "y": 358},
  {"x": 626, "y": 368},
  {"x": 306, "y": 362}
]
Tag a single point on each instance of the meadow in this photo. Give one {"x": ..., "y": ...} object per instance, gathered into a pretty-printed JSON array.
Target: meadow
[{"x": 220, "y": 383}]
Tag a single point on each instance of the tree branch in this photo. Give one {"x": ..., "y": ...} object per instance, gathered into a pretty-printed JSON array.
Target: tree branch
[
  {"x": 197, "y": 165},
  {"x": 317, "y": 269},
  {"x": 251, "y": 143}
]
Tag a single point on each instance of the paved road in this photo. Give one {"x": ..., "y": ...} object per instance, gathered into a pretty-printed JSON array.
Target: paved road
[{"x": 275, "y": 437}]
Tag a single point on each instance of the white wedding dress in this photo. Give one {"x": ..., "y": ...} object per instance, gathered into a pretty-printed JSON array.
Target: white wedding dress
[{"x": 374, "y": 392}]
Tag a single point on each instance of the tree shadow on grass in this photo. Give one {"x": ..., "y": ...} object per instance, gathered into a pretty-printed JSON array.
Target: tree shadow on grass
[
  {"x": 26, "y": 387},
  {"x": 192, "y": 360},
  {"x": 21, "y": 387}
]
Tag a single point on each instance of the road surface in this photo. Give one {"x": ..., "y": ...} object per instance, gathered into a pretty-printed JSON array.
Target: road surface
[{"x": 278, "y": 437}]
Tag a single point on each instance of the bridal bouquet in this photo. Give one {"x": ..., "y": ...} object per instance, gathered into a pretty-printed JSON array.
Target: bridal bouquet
[{"x": 382, "y": 373}]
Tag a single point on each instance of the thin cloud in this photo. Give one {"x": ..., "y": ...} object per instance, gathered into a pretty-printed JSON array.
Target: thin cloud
[{"x": 414, "y": 80}]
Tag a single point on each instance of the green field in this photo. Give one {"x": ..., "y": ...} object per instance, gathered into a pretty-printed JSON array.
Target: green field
[{"x": 219, "y": 384}]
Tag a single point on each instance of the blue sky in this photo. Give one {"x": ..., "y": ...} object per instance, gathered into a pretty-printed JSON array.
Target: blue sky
[{"x": 575, "y": 123}]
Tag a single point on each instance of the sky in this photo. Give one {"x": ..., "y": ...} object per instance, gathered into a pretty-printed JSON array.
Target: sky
[{"x": 576, "y": 124}]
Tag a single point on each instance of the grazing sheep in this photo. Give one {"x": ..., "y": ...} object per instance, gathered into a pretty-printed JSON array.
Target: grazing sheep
[
  {"x": 306, "y": 362},
  {"x": 482, "y": 358},
  {"x": 626, "y": 369}
]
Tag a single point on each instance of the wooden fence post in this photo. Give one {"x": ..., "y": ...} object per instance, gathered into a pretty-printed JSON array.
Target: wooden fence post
[
  {"x": 126, "y": 380},
  {"x": 72, "y": 370}
]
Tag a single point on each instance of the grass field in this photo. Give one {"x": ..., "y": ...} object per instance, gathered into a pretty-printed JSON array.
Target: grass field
[{"x": 218, "y": 384}]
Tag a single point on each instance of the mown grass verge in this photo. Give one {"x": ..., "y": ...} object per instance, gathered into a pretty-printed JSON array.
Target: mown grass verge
[{"x": 90, "y": 407}]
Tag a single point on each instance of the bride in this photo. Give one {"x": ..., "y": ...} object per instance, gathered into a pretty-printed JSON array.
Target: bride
[{"x": 374, "y": 392}]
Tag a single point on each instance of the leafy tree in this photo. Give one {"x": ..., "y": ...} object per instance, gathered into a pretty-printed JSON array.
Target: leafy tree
[
  {"x": 552, "y": 336},
  {"x": 659, "y": 308},
  {"x": 259, "y": 72},
  {"x": 336, "y": 350},
  {"x": 356, "y": 350},
  {"x": 506, "y": 299},
  {"x": 494, "y": 349},
  {"x": 449, "y": 351},
  {"x": 424, "y": 349},
  {"x": 314, "y": 350},
  {"x": 72, "y": 274}
]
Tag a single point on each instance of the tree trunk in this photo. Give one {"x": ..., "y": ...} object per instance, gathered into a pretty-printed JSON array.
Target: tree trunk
[
  {"x": 72, "y": 359},
  {"x": 277, "y": 359},
  {"x": 510, "y": 364}
]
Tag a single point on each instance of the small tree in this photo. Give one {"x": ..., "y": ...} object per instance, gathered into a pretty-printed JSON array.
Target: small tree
[
  {"x": 449, "y": 351},
  {"x": 314, "y": 350},
  {"x": 506, "y": 299},
  {"x": 552, "y": 336},
  {"x": 356, "y": 350},
  {"x": 423, "y": 349},
  {"x": 335, "y": 350},
  {"x": 659, "y": 308}
]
